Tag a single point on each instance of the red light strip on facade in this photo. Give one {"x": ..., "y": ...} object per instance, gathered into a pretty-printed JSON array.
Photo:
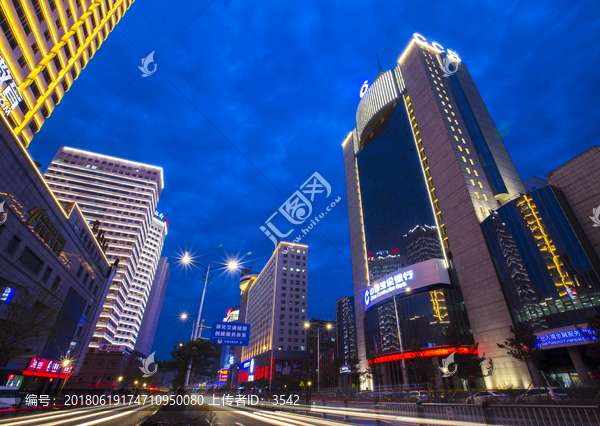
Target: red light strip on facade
[
  {"x": 56, "y": 376},
  {"x": 425, "y": 353}
]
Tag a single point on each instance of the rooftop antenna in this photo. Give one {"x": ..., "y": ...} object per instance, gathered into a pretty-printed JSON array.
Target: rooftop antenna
[{"x": 380, "y": 70}]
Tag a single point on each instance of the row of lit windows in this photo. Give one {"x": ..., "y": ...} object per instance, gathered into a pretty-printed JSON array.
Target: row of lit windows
[{"x": 453, "y": 122}]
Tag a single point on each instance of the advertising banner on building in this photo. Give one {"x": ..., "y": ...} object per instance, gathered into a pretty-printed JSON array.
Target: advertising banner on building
[
  {"x": 283, "y": 367},
  {"x": 223, "y": 374},
  {"x": 297, "y": 367}
]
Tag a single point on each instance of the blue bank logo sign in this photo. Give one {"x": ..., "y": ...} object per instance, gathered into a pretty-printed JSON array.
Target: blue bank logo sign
[{"x": 388, "y": 286}]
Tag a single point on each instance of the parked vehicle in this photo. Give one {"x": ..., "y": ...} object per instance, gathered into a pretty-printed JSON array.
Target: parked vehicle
[
  {"x": 491, "y": 397},
  {"x": 544, "y": 395},
  {"x": 414, "y": 396},
  {"x": 9, "y": 395}
]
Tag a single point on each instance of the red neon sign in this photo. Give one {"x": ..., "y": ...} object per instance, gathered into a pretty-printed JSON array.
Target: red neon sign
[
  {"x": 223, "y": 375},
  {"x": 424, "y": 353},
  {"x": 46, "y": 366}
]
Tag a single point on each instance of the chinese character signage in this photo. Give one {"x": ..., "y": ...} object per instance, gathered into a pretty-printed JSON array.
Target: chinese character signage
[
  {"x": 388, "y": 286},
  {"x": 565, "y": 338},
  {"x": 223, "y": 375},
  {"x": 46, "y": 230},
  {"x": 10, "y": 97},
  {"x": 236, "y": 334},
  {"x": 41, "y": 365}
]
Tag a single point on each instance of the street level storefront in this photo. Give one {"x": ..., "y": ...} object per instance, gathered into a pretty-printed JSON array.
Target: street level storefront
[
  {"x": 392, "y": 364},
  {"x": 283, "y": 369},
  {"x": 111, "y": 367},
  {"x": 46, "y": 374},
  {"x": 566, "y": 359},
  {"x": 54, "y": 275}
]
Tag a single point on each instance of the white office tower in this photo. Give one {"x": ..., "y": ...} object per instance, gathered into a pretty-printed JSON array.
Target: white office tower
[
  {"x": 122, "y": 196},
  {"x": 275, "y": 303}
]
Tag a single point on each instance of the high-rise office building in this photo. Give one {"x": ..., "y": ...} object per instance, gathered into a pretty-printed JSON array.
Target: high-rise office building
[
  {"x": 44, "y": 46},
  {"x": 424, "y": 167},
  {"x": 122, "y": 195},
  {"x": 152, "y": 314},
  {"x": 49, "y": 258},
  {"x": 346, "y": 329},
  {"x": 275, "y": 304}
]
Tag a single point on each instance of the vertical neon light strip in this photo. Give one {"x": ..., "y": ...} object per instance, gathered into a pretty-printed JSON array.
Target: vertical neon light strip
[{"x": 362, "y": 225}]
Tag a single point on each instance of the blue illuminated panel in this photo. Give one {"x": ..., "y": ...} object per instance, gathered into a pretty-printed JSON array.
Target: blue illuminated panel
[{"x": 564, "y": 337}]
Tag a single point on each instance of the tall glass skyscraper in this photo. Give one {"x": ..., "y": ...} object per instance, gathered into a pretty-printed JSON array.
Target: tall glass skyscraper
[
  {"x": 346, "y": 329},
  {"x": 424, "y": 167}
]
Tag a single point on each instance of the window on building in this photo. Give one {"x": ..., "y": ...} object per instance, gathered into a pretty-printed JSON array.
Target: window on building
[
  {"x": 33, "y": 126},
  {"x": 31, "y": 261},
  {"x": 47, "y": 274},
  {"x": 56, "y": 283},
  {"x": 13, "y": 244}
]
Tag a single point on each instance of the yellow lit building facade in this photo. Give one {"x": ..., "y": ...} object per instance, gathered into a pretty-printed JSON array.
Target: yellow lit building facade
[{"x": 44, "y": 46}]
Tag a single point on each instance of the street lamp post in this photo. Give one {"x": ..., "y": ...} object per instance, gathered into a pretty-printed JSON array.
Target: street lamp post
[
  {"x": 197, "y": 332},
  {"x": 404, "y": 376},
  {"x": 185, "y": 317},
  {"x": 65, "y": 363},
  {"x": 328, "y": 326}
]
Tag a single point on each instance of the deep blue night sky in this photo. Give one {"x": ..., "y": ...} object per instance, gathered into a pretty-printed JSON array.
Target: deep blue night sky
[{"x": 251, "y": 98}]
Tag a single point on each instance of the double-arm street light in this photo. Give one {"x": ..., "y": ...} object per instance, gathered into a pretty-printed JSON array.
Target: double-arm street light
[
  {"x": 328, "y": 326},
  {"x": 186, "y": 259}
]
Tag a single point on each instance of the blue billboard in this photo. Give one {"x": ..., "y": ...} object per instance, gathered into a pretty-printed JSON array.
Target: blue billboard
[{"x": 234, "y": 334}]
